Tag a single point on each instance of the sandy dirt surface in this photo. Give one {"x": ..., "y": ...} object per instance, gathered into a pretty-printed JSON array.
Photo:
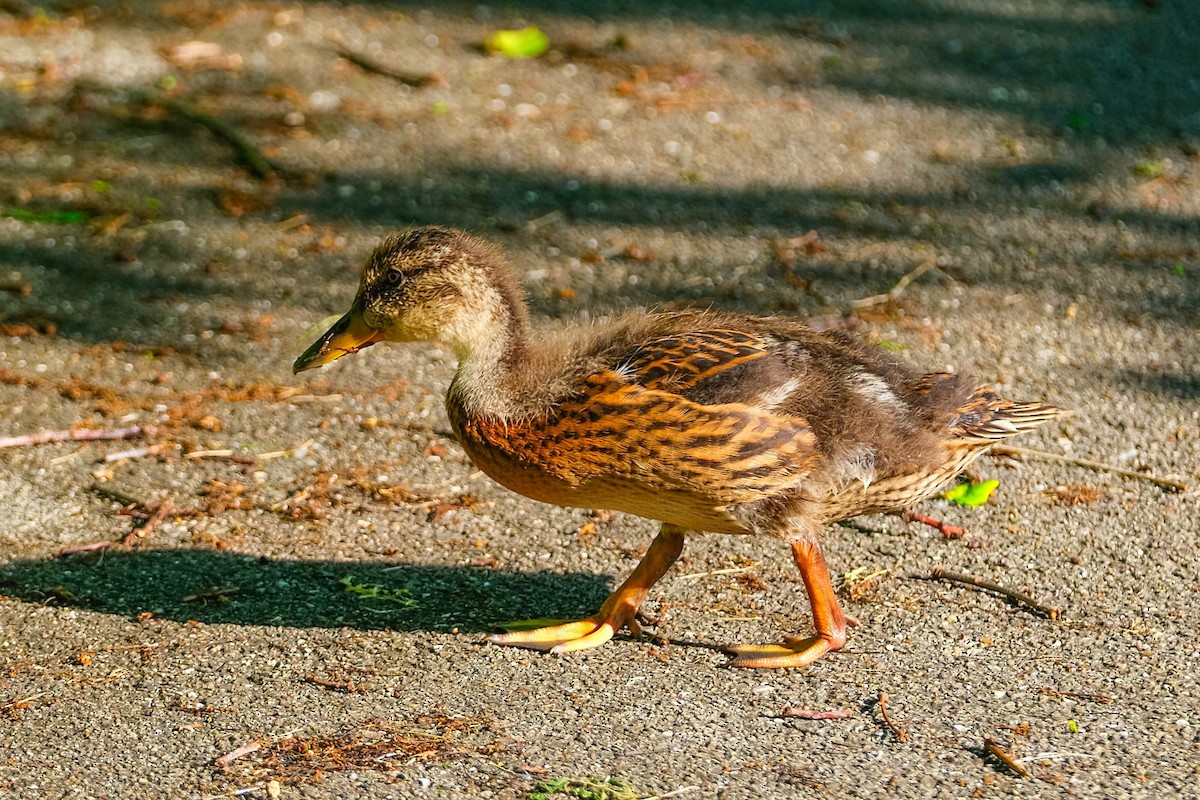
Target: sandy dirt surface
[{"x": 321, "y": 582}]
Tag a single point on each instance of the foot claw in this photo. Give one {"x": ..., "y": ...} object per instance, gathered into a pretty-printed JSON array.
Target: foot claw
[
  {"x": 794, "y": 652},
  {"x": 565, "y": 638}
]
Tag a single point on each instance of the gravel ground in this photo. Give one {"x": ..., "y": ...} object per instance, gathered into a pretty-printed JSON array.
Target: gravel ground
[{"x": 323, "y": 588}]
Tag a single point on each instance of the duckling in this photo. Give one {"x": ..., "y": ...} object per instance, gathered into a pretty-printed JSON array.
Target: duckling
[{"x": 700, "y": 420}]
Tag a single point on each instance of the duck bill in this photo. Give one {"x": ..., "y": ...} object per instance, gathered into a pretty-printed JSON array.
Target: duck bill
[{"x": 348, "y": 335}]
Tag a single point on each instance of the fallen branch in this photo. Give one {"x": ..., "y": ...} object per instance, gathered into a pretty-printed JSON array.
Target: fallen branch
[
  {"x": 1001, "y": 755},
  {"x": 792, "y": 713},
  {"x": 259, "y": 164},
  {"x": 76, "y": 435},
  {"x": 891, "y": 294},
  {"x": 899, "y": 732},
  {"x": 939, "y": 574},
  {"x": 1086, "y": 463}
]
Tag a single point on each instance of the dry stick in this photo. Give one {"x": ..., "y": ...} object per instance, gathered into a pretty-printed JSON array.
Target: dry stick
[
  {"x": 348, "y": 687},
  {"x": 691, "y": 576},
  {"x": 1098, "y": 698},
  {"x": 1099, "y": 466},
  {"x": 993, "y": 747},
  {"x": 233, "y": 755},
  {"x": 897, "y": 290},
  {"x": 118, "y": 497},
  {"x": 680, "y": 791},
  {"x": 408, "y": 79},
  {"x": 792, "y": 713},
  {"x": 159, "y": 516},
  {"x": 259, "y": 164},
  {"x": 939, "y": 574},
  {"x": 899, "y": 733},
  {"x": 76, "y": 435},
  {"x": 73, "y": 549},
  {"x": 140, "y": 452}
]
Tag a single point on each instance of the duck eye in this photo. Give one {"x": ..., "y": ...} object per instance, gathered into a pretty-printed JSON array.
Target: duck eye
[{"x": 392, "y": 276}]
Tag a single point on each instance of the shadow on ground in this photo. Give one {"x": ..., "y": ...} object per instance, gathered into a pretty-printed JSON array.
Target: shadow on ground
[
  {"x": 215, "y": 588},
  {"x": 134, "y": 302}
]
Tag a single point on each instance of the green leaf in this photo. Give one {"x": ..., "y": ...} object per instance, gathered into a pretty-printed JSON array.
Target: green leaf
[
  {"x": 971, "y": 494},
  {"x": 101, "y": 187},
  {"x": 1179, "y": 270},
  {"x": 49, "y": 217},
  {"x": 585, "y": 789},
  {"x": 529, "y": 42},
  {"x": 1072, "y": 726},
  {"x": 888, "y": 344},
  {"x": 1150, "y": 169},
  {"x": 376, "y": 591}
]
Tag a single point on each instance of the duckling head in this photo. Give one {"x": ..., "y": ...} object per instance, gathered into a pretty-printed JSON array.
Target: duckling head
[{"x": 428, "y": 284}]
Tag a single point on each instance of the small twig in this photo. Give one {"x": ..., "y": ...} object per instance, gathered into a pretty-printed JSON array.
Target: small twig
[
  {"x": 140, "y": 452},
  {"x": 314, "y": 398},
  {"x": 691, "y": 576},
  {"x": 899, "y": 732},
  {"x": 1097, "y": 698},
  {"x": 158, "y": 517},
  {"x": 233, "y": 755},
  {"x": 994, "y": 748},
  {"x": 544, "y": 219},
  {"x": 891, "y": 294},
  {"x": 946, "y": 529},
  {"x": 76, "y": 435},
  {"x": 109, "y": 493},
  {"x": 681, "y": 790},
  {"x": 1055, "y": 755},
  {"x": 298, "y": 450},
  {"x": 71, "y": 550},
  {"x": 208, "y": 454},
  {"x": 259, "y": 164},
  {"x": 1086, "y": 463},
  {"x": 791, "y": 712},
  {"x": 939, "y": 574},
  {"x": 363, "y": 62}
]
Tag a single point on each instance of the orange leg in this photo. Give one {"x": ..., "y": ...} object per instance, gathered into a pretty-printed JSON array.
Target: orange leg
[
  {"x": 618, "y": 610},
  {"x": 828, "y": 618}
]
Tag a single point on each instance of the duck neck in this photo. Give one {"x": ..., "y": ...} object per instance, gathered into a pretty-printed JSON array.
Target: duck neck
[{"x": 490, "y": 363}]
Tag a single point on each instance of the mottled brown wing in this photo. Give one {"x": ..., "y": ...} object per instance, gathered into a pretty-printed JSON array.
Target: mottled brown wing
[
  {"x": 618, "y": 431},
  {"x": 679, "y": 362}
]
